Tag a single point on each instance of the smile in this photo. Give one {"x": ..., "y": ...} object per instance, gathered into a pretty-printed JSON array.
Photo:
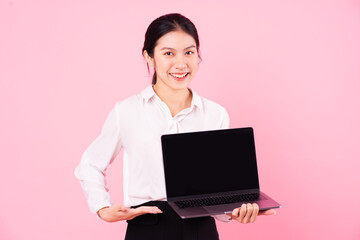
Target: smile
[{"x": 179, "y": 75}]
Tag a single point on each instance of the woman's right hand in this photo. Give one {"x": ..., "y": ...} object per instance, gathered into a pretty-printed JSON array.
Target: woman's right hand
[{"x": 118, "y": 212}]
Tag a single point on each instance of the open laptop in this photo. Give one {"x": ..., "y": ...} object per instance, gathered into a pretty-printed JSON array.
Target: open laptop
[{"x": 212, "y": 172}]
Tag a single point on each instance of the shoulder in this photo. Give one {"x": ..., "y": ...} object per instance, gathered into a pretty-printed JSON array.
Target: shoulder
[
  {"x": 210, "y": 106},
  {"x": 128, "y": 102},
  {"x": 214, "y": 111},
  {"x": 132, "y": 102}
]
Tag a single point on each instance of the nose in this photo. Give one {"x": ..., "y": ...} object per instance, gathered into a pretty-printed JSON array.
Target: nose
[{"x": 180, "y": 61}]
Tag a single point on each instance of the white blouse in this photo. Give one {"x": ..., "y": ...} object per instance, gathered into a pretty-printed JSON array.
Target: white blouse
[{"x": 136, "y": 125}]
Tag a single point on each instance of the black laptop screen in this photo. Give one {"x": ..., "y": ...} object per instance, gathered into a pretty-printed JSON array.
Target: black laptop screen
[{"x": 209, "y": 162}]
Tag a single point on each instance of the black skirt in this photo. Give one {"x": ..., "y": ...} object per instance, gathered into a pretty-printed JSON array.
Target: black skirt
[{"x": 169, "y": 226}]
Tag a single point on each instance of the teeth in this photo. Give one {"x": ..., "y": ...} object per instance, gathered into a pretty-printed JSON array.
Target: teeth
[{"x": 178, "y": 75}]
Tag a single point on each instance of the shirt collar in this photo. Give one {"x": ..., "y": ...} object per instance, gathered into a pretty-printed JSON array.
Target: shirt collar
[
  {"x": 196, "y": 100},
  {"x": 148, "y": 93}
]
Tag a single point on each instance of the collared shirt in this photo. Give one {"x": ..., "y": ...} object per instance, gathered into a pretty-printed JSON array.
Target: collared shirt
[{"x": 136, "y": 125}]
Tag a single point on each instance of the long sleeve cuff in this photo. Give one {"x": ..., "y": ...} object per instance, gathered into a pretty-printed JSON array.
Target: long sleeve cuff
[{"x": 97, "y": 196}]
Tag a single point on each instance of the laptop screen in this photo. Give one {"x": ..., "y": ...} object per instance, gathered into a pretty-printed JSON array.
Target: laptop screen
[{"x": 209, "y": 162}]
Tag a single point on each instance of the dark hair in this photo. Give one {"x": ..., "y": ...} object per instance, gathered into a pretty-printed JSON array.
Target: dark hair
[{"x": 163, "y": 25}]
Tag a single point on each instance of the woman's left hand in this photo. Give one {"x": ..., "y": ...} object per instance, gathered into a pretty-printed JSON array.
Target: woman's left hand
[{"x": 248, "y": 213}]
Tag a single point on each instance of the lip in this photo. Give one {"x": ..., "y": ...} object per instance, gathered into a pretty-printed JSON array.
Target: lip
[{"x": 180, "y": 79}]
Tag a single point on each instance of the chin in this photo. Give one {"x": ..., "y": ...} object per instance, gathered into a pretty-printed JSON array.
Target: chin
[{"x": 180, "y": 86}]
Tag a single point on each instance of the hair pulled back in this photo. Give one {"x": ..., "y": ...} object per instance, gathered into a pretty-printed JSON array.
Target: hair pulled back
[{"x": 163, "y": 25}]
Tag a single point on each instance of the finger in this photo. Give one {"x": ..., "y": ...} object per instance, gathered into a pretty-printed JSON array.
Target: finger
[
  {"x": 249, "y": 211},
  {"x": 134, "y": 212},
  {"x": 268, "y": 212},
  {"x": 255, "y": 213},
  {"x": 235, "y": 213},
  {"x": 153, "y": 210},
  {"x": 148, "y": 209},
  {"x": 242, "y": 213}
]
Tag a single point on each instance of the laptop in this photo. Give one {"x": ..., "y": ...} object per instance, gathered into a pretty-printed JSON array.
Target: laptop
[{"x": 213, "y": 172}]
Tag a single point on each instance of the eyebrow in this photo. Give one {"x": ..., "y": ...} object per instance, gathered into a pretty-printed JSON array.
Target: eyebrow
[{"x": 168, "y": 48}]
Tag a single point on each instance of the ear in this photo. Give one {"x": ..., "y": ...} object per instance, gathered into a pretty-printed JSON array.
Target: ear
[{"x": 148, "y": 59}]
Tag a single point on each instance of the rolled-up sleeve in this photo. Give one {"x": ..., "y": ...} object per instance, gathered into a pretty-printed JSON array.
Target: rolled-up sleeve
[{"x": 96, "y": 158}]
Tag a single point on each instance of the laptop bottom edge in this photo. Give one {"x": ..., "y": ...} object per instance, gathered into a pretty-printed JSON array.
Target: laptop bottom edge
[{"x": 264, "y": 202}]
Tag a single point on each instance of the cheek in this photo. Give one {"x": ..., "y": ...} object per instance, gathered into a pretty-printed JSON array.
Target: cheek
[
  {"x": 194, "y": 60},
  {"x": 194, "y": 64},
  {"x": 162, "y": 66}
]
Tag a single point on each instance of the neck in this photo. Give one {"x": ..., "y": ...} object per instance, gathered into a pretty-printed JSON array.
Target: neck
[{"x": 175, "y": 99}]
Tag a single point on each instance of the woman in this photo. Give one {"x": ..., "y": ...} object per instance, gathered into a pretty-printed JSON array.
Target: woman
[{"x": 136, "y": 124}]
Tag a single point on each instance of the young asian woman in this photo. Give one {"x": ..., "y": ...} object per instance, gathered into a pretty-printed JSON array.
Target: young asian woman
[{"x": 168, "y": 105}]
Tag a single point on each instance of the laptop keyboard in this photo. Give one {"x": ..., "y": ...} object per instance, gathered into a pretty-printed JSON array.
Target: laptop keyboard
[{"x": 209, "y": 201}]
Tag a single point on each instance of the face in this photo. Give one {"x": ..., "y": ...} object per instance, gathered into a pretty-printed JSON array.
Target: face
[{"x": 175, "y": 60}]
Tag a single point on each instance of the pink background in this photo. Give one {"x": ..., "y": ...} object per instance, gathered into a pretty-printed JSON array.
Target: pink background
[{"x": 290, "y": 69}]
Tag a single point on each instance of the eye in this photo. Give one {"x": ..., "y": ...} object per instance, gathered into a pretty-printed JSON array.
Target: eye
[
  {"x": 168, "y": 53},
  {"x": 189, "y": 52}
]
